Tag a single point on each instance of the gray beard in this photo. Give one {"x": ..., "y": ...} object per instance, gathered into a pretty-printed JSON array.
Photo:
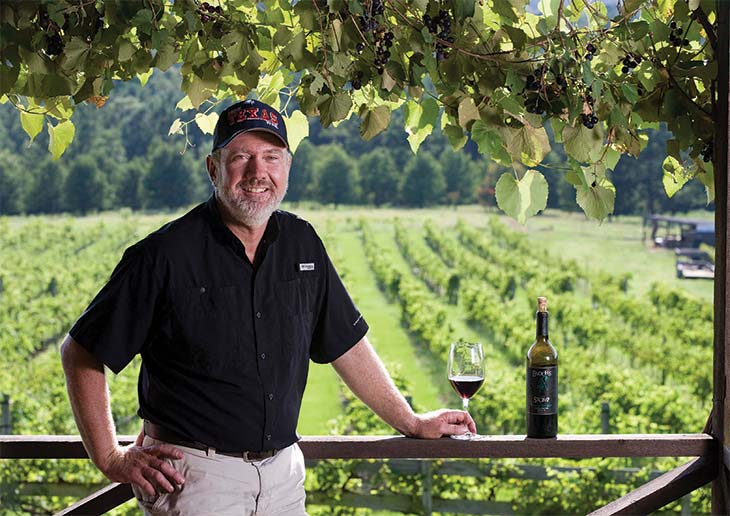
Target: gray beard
[{"x": 247, "y": 213}]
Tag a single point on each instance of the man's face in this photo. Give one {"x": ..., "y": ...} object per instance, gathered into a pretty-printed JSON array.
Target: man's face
[{"x": 251, "y": 176}]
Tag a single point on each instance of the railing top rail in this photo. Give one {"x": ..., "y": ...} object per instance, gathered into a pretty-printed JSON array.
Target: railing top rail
[{"x": 398, "y": 447}]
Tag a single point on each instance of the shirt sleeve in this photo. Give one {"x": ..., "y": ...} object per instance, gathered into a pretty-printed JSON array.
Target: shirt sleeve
[
  {"x": 118, "y": 322},
  {"x": 340, "y": 324}
]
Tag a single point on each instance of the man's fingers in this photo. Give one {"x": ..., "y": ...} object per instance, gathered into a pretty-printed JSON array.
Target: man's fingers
[
  {"x": 140, "y": 481},
  {"x": 460, "y": 422},
  {"x": 155, "y": 477},
  {"x": 170, "y": 472},
  {"x": 164, "y": 451}
]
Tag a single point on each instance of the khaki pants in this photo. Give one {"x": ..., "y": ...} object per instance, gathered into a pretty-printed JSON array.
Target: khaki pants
[{"x": 221, "y": 485}]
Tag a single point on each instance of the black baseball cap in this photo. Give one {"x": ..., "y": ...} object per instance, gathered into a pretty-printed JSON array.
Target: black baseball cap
[{"x": 245, "y": 116}]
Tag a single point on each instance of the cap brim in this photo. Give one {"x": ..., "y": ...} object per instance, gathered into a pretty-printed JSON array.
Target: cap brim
[{"x": 262, "y": 129}]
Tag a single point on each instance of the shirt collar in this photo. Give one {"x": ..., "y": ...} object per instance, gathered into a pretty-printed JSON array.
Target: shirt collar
[{"x": 271, "y": 233}]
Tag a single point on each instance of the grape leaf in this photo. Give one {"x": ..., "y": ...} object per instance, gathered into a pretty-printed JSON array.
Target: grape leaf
[
  {"x": 528, "y": 145},
  {"x": 706, "y": 175},
  {"x": 32, "y": 123},
  {"x": 524, "y": 198},
  {"x": 468, "y": 112},
  {"x": 582, "y": 143},
  {"x": 61, "y": 136},
  {"x": 374, "y": 122},
  {"x": 297, "y": 128},
  {"x": 420, "y": 121},
  {"x": 490, "y": 143},
  {"x": 675, "y": 176},
  {"x": 333, "y": 108},
  {"x": 596, "y": 199},
  {"x": 175, "y": 127},
  {"x": 206, "y": 122}
]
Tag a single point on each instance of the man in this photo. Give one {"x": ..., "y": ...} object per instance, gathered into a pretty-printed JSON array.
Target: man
[{"x": 226, "y": 305}]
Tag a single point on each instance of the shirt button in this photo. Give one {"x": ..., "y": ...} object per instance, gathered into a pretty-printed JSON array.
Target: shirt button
[
  {"x": 202, "y": 290},
  {"x": 271, "y": 396},
  {"x": 268, "y": 437},
  {"x": 258, "y": 315},
  {"x": 263, "y": 356}
]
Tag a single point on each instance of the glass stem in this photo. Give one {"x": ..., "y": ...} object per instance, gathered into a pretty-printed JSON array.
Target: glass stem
[{"x": 465, "y": 404}]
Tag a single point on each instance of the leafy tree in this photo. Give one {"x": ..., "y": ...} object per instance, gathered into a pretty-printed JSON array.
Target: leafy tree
[
  {"x": 170, "y": 181},
  {"x": 423, "y": 183},
  {"x": 46, "y": 187},
  {"x": 493, "y": 71},
  {"x": 337, "y": 177},
  {"x": 129, "y": 189},
  {"x": 380, "y": 177},
  {"x": 302, "y": 173},
  {"x": 84, "y": 189},
  {"x": 11, "y": 201},
  {"x": 460, "y": 174}
]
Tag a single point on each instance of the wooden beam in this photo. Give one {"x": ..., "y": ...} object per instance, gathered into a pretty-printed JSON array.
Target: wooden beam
[
  {"x": 721, "y": 162},
  {"x": 667, "y": 488},
  {"x": 396, "y": 447},
  {"x": 100, "y": 502},
  {"x": 511, "y": 446}
]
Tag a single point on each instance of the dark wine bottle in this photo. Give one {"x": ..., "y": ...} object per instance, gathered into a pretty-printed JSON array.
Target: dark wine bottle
[{"x": 542, "y": 380}]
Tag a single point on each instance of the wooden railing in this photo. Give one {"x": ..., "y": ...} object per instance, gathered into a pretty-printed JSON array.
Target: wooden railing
[{"x": 671, "y": 486}]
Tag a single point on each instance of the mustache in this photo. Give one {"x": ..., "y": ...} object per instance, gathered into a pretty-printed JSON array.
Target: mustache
[{"x": 255, "y": 183}]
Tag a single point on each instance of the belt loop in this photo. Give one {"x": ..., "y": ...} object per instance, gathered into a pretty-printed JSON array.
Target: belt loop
[{"x": 210, "y": 451}]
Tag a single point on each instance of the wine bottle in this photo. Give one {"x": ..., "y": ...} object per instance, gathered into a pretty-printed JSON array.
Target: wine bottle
[{"x": 542, "y": 380}]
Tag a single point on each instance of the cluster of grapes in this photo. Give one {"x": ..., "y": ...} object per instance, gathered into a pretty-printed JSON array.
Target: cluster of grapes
[
  {"x": 382, "y": 38},
  {"x": 357, "y": 80},
  {"x": 207, "y": 11},
  {"x": 590, "y": 51},
  {"x": 706, "y": 152},
  {"x": 534, "y": 103},
  {"x": 440, "y": 26},
  {"x": 589, "y": 120},
  {"x": 531, "y": 83},
  {"x": 675, "y": 36},
  {"x": 630, "y": 62},
  {"x": 54, "y": 42}
]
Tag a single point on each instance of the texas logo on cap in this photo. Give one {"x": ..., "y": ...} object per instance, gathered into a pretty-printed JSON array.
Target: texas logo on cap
[{"x": 249, "y": 115}]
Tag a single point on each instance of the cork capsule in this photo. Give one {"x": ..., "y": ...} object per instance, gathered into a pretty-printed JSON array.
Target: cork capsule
[{"x": 542, "y": 304}]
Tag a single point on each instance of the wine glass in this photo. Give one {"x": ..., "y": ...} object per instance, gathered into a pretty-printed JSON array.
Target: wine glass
[{"x": 466, "y": 373}]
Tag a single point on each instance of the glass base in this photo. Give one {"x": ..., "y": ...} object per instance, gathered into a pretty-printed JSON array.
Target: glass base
[{"x": 465, "y": 437}]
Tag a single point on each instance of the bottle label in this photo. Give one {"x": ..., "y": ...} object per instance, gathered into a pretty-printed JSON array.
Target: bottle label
[{"x": 542, "y": 390}]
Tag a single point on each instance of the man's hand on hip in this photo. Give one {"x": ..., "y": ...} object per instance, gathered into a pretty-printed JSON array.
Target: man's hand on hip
[
  {"x": 439, "y": 423},
  {"x": 144, "y": 466}
]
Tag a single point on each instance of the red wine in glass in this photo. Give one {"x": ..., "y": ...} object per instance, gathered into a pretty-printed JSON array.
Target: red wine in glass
[
  {"x": 466, "y": 386},
  {"x": 466, "y": 373}
]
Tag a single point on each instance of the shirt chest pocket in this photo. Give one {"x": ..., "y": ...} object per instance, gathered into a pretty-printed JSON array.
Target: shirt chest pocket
[
  {"x": 298, "y": 295},
  {"x": 204, "y": 302}
]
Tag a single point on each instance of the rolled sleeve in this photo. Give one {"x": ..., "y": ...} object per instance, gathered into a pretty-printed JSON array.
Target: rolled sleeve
[
  {"x": 340, "y": 324},
  {"x": 117, "y": 323}
]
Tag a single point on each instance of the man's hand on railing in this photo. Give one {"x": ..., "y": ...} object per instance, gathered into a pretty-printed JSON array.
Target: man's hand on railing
[
  {"x": 143, "y": 466},
  {"x": 439, "y": 423}
]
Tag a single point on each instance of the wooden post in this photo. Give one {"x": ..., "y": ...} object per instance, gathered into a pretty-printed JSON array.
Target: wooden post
[
  {"x": 605, "y": 418},
  {"x": 6, "y": 422},
  {"x": 427, "y": 495},
  {"x": 721, "y": 407}
]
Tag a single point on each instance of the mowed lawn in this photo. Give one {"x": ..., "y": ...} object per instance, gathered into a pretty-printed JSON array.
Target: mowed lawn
[{"x": 621, "y": 245}]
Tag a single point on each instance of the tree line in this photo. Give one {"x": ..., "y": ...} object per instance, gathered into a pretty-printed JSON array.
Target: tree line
[{"x": 122, "y": 157}]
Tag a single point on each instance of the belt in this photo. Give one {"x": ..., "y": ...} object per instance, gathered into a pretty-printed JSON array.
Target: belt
[{"x": 163, "y": 434}]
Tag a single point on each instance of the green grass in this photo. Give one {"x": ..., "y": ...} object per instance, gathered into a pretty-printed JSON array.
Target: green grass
[{"x": 617, "y": 246}]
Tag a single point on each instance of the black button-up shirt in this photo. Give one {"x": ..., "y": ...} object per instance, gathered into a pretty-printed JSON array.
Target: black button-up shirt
[{"x": 225, "y": 343}]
